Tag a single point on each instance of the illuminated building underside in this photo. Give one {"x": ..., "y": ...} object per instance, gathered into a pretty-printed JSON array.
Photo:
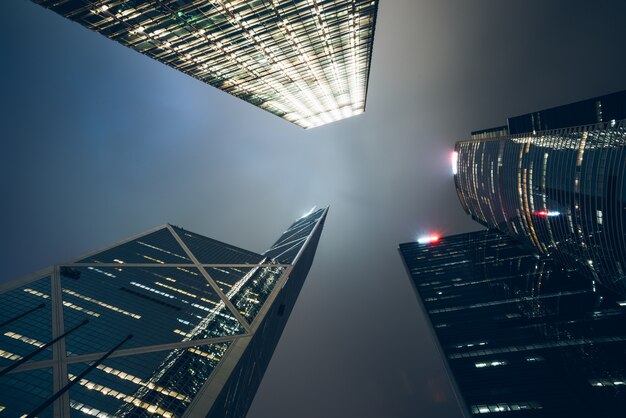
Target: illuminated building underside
[
  {"x": 563, "y": 192},
  {"x": 306, "y": 61},
  {"x": 168, "y": 323}
]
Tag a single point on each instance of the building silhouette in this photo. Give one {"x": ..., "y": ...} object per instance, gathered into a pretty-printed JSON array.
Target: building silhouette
[
  {"x": 307, "y": 62},
  {"x": 167, "y": 323},
  {"x": 520, "y": 335}
]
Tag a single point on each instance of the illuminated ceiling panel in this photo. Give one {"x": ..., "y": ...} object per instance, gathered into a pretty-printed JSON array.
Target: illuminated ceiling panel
[{"x": 306, "y": 61}]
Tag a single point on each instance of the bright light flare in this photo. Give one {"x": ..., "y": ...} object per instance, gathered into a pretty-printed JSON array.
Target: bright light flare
[
  {"x": 428, "y": 239},
  {"x": 454, "y": 160},
  {"x": 309, "y": 212},
  {"x": 547, "y": 213}
]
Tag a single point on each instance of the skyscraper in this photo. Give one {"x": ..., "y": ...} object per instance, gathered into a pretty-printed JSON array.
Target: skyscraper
[
  {"x": 306, "y": 61},
  {"x": 555, "y": 180},
  {"x": 168, "y": 322},
  {"x": 530, "y": 315},
  {"x": 520, "y": 335}
]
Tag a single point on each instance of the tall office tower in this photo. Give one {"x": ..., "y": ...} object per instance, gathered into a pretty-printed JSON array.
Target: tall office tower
[
  {"x": 555, "y": 180},
  {"x": 306, "y": 61},
  {"x": 168, "y": 323},
  {"x": 520, "y": 336}
]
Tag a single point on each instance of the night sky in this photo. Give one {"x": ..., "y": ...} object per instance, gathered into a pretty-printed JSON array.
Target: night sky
[{"x": 100, "y": 142}]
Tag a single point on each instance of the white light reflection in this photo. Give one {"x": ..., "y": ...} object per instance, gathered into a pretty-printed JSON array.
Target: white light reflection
[
  {"x": 428, "y": 239},
  {"x": 454, "y": 159},
  {"x": 309, "y": 212}
]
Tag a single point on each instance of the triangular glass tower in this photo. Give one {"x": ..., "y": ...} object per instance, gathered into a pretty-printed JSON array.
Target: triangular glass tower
[{"x": 168, "y": 323}]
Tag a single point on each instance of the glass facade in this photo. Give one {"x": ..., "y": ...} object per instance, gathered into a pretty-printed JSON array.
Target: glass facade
[
  {"x": 158, "y": 325},
  {"x": 306, "y": 61},
  {"x": 521, "y": 335},
  {"x": 562, "y": 192}
]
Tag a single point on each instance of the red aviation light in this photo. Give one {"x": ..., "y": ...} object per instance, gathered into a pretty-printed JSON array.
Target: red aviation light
[
  {"x": 428, "y": 239},
  {"x": 547, "y": 213}
]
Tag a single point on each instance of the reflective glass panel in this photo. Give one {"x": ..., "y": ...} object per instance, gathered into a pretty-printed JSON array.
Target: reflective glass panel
[
  {"x": 210, "y": 251},
  {"x": 157, "y": 247},
  {"x": 25, "y": 316},
  {"x": 156, "y": 305},
  {"x": 27, "y": 391},
  {"x": 162, "y": 383},
  {"x": 246, "y": 288}
]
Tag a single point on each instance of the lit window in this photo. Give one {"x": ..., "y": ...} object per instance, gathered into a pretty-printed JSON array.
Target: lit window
[
  {"x": 504, "y": 407},
  {"x": 491, "y": 364},
  {"x": 9, "y": 355}
]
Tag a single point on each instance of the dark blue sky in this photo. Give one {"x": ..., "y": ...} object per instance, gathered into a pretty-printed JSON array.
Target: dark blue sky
[{"x": 100, "y": 142}]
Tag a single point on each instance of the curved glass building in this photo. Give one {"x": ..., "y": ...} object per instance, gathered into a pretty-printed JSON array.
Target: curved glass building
[{"x": 556, "y": 181}]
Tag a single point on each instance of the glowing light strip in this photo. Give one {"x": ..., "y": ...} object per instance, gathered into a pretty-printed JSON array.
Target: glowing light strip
[
  {"x": 67, "y": 304},
  {"x": 182, "y": 292},
  {"x": 183, "y": 333},
  {"x": 150, "y": 289},
  {"x": 203, "y": 354},
  {"x": 153, "y": 259},
  {"x": 24, "y": 339},
  {"x": 191, "y": 295},
  {"x": 491, "y": 364},
  {"x": 122, "y": 396},
  {"x": 9, "y": 355},
  {"x": 102, "y": 272},
  {"x": 80, "y": 309},
  {"x": 138, "y": 381},
  {"x": 89, "y": 410},
  {"x": 193, "y": 273},
  {"x": 104, "y": 305},
  {"x": 36, "y": 293}
]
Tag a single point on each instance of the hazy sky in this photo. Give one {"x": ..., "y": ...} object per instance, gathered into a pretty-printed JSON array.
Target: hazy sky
[{"x": 100, "y": 142}]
